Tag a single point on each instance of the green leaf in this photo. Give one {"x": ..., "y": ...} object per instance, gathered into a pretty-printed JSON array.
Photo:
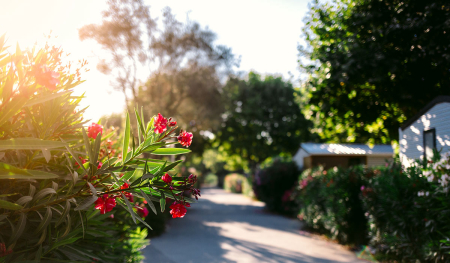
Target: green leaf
[
  {"x": 170, "y": 151},
  {"x": 149, "y": 201},
  {"x": 45, "y": 98},
  {"x": 45, "y": 221},
  {"x": 141, "y": 130},
  {"x": 87, "y": 145},
  {"x": 126, "y": 139},
  {"x": 162, "y": 202},
  {"x": 170, "y": 166},
  {"x": 29, "y": 144},
  {"x": 19, "y": 228},
  {"x": 9, "y": 206},
  {"x": 130, "y": 208},
  {"x": 64, "y": 214},
  {"x": 96, "y": 152},
  {"x": 44, "y": 192},
  {"x": 10, "y": 172},
  {"x": 87, "y": 202}
]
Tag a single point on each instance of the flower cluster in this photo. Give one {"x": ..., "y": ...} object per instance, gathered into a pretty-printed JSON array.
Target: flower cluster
[
  {"x": 185, "y": 138},
  {"x": 94, "y": 129},
  {"x": 439, "y": 171},
  {"x": 46, "y": 77},
  {"x": 178, "y": 210}
]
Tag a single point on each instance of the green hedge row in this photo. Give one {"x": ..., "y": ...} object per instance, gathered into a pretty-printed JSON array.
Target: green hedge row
[{"x": 403, "y": 213}]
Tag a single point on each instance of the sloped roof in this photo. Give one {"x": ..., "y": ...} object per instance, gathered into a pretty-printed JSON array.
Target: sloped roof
[
  {"x": 346, "y": 149},
  {"x": 437, "y": 100}
]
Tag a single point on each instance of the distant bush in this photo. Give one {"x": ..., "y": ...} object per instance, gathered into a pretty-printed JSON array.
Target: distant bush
[
  {"x": 238, "y": 183},
  {"x": 331, "y": 205},
  {"x": 273, "y": 184},
  {"x": 211, "y": 180}
]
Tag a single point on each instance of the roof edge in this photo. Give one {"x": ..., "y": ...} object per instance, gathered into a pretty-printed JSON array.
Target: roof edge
[{"x": 437, "y": 100}]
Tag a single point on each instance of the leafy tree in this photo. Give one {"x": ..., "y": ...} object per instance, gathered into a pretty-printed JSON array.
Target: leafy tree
[
  {"x": 374, "y": 64},
  {"x": 261, "y": 119},
  {"x": 180, "y": 63}
]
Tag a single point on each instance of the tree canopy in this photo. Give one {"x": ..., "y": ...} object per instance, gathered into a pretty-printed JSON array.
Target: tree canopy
[
  {"x": 373, "y": 64},
  {"x": 170, "y": 67},
  {"x": 261, "y": 118}
]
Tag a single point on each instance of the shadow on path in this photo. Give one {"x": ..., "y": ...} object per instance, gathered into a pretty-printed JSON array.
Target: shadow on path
[{"x": 224, "y": 227}]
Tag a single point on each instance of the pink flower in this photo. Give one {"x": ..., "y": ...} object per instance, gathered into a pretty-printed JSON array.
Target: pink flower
[
  {"x": 105, "y": 204},
  {"x": 166, "y": 178},
  {"x": 142, "y": 211},
  {"x": 46, "y": 77},
  {"x": 100, "y": 164},
  {"x": 128, "y": 195},
  {"x": 160, "y": 124},
  {"x": 177, "y": 210},
  {"x": 185, "y": 138},
  {"x": 94, "y": 129}
]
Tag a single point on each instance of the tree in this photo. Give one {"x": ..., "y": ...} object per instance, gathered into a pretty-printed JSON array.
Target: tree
[
  {"x": 180, "y": 61},
  {"x": 374, "y": 64},
  {"x": 261, "y": 119}
]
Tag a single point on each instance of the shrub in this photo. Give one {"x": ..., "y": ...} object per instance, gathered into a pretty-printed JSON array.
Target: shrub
[
  {"x": 211, "y": 180},
  {"x": 408, "y": 211},
  {"x": 273, "y": 184},
  {"x": 236, "y": 183},
  {"x": 53, "y": 172},
  {"x": 331, "y": 205},
  {"x": 402, "y": 213}
]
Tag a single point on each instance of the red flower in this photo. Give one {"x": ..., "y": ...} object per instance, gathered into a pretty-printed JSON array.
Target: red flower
[
  {"x": 178, "y": 210},
  {"x": 100, "y": 164},
  {"x": 185, "y": 138},
  {"x": 3, "y": 251},
  {"x": 83, "y": 161},
  {"x": 105, "y": 204},
  {"x": 142, "y": 211},
  {"x": 128, "y": 195},
  {"x": 46, "y": 77},
  {"x": 94, "y": 129},
  {"x": 172, "y": 123},
  {"x": 160, "y": 124},
  {"x": 167, "y": 178},
  {"x": 192, "y": 179}
]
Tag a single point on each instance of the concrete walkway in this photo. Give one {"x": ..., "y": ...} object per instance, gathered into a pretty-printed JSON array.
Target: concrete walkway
[{"x": 225, "y": 227}]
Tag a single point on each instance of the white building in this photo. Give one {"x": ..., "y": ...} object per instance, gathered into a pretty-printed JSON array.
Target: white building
[
  {"x": 427, "y": 130},
  {"x": 329, "y": 155}
]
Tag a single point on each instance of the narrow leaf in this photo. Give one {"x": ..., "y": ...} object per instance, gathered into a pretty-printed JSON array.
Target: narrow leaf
[
  {"x": 162, "y": 202},
  {"x": 130, "y": 208},
  {"x": 126, "y": 139},
  {"x": 149, "y": 201},
  {"x": 170, "y": 151},
  {"x": 9, "y": 206},
  {"x": 87, "y": 202}
]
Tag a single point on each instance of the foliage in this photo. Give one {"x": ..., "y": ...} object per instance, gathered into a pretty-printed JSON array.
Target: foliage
[
  {"x": 401, "y": 212},
  {"x": 211, "y": 180},
  {"x": 53, "y": 171},
  {"x": 330, "y": 203},
  {"x": 408, "y": 213},
  {"x": 261, "y": 119},
  {"x": 369, "y": 63},
  {"x": 237, "y": 183},
  {"x": 177, "y": 63},
  {"x": 273, "y": 183}
]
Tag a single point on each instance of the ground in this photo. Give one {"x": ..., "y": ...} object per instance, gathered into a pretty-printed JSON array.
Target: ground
[{"x": 226, "y": 227}]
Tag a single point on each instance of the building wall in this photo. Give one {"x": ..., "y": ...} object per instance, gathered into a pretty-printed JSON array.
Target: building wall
[
  {"x": 298, "y": 158},
  {"x": 330, "y": 161},
  {"x": 411, "y": 139},
  {"x": 373, "y": 161}
]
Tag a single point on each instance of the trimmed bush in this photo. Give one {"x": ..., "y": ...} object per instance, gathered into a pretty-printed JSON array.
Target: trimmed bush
[
  {"x": 273, "y": 184},
  {"x": 211, "y": 180}
]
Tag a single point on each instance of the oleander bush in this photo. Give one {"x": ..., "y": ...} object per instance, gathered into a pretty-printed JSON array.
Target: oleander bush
[
  {"x": 67, "y": 194},
  {"x": 273, "y": 184},
  {"x": 330, "y": 203},
  {"x": 402, "y": 213}
]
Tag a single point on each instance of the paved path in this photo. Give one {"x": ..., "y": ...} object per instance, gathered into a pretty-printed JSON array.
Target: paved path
[{"x": 225, "y": 227}]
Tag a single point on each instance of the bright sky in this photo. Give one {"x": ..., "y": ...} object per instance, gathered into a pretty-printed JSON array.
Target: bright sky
[{"x": 264, "y": 32}]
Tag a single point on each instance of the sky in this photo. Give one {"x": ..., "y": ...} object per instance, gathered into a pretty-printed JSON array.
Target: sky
[{"x": 265, "y": 33}]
